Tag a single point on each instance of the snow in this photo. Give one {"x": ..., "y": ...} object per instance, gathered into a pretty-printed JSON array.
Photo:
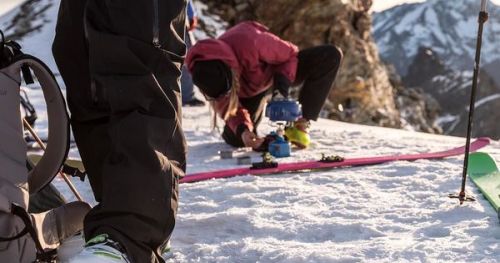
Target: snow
[
  {"x": 409, "y": 19},
  {"x": 447, "y": 118},
  {"x": 432, "y": 21},
  {"x": 485, "y": 100},
  {"x": 218, "y": 25},
  {"x": 468, "y": 27},
  {"x": 383, "y": 213},
  {"x": 393, "y": 212}
]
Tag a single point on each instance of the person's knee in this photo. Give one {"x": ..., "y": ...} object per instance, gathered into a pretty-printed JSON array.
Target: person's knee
[
  {"x": 334, "y": 53},
  {"x": 332, "y": 59}
]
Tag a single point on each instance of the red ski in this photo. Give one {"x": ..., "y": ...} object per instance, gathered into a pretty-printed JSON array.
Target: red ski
[{"x": 315, "y": 165}]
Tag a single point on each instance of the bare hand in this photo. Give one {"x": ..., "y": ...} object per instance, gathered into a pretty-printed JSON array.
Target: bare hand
[{"x": 250, "y": 139}]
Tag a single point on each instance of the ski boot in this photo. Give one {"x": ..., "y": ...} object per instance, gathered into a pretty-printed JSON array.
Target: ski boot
[
  {"x": 167, "y": 253},
  {"x": 297, "y": 133},
  {"x": 101, "y": 249}
]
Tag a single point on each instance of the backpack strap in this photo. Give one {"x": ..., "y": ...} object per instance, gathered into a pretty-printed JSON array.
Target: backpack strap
[
  {"x": 14, "y": 62},
  {"x": 58, "y": 146}
]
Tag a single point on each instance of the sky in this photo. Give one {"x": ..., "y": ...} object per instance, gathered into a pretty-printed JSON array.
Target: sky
[{"x": 378, "y": 5}]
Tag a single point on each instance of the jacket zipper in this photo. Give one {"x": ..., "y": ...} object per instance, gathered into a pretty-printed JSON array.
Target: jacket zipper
[
  {"x": 93, "y": 88},
  {"x": 156, "y": 24}
]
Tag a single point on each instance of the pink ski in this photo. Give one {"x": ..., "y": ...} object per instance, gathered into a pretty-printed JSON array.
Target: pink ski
[{"x": 314, "y": 165}]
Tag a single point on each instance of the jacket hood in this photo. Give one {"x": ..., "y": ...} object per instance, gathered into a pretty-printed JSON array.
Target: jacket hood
[{"x": 211, "y": 49}]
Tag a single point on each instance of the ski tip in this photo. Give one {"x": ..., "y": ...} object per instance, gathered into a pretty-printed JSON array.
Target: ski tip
[
  {"x": 481, "y": 163},
  {"x": 485, "y": 139}
]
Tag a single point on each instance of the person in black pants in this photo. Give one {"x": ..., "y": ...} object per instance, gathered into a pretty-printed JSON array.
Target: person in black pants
[
  {"x": 120, "y": 61},
  {"x": 239, "y": 71}
]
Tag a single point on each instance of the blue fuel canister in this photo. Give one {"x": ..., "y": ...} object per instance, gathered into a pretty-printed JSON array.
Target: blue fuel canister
[{"x": 279, "y": 147}]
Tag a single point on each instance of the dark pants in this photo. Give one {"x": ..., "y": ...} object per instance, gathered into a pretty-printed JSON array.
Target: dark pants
[
  {"x": 316, "y": 72},
  {"x": 124, "y": 98}
]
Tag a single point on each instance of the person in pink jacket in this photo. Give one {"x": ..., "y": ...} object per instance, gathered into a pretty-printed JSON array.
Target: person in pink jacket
[{"x": 238, "y": 72}]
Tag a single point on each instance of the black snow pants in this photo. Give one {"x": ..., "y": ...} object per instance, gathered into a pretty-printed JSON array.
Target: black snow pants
[
  {"x": 120, "y": 61},
  {"x": 316, "y": 72}
]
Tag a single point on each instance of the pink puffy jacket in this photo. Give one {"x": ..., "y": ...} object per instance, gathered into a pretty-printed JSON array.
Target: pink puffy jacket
[{"x": 256, "y": 54}]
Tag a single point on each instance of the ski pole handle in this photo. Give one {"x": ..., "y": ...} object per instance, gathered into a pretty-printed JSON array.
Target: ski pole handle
[{"x": 483, "y": 5}]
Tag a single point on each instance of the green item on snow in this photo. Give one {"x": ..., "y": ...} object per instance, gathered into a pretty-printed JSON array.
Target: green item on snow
[
  {"x": 484, "y": 172},
  {"x": 298, "y": 135}
]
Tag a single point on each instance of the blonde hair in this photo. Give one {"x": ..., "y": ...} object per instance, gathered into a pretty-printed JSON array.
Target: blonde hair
[{"x": 234, "y": 102}]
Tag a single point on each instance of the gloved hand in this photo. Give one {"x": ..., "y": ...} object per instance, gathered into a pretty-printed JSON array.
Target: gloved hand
[
  {"x": 193, "y": 23},
  {"x": 250, "y": 139},
  {"x": 281, "y": 85}
]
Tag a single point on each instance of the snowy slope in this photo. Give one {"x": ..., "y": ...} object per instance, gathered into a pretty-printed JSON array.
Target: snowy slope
[
  {"x": 395, "y": 212},
  {"x": 449, "y": 27}
]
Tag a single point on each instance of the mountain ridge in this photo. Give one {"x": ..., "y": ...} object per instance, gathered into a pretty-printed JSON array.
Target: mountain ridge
[{"x": 450, "y": 27}]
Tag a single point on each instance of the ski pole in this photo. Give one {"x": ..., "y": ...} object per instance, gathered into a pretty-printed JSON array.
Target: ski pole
[
  {"x": 2, "y": 42},
  {"x": 483, "y": 17},
  {"x": 42, "y": 145}
]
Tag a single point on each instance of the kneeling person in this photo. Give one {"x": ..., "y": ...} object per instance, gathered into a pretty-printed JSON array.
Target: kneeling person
[{"x": 238, "y": 71}]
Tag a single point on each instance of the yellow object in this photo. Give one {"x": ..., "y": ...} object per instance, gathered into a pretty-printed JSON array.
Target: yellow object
[{"x": 298, "y": 137}]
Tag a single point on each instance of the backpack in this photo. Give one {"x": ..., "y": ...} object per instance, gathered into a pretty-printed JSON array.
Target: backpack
[{"x": 18, "y": 179}]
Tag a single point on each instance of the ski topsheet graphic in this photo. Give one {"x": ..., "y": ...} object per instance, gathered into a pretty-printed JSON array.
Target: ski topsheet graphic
[
  {"x": 483, "y": 171},
  {"x": 315, "y": 165}
]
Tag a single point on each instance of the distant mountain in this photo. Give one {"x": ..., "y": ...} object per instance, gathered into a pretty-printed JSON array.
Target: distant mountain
[
  {"x": 448, "y": 26},
  {"x": 451, "y": 88},
  {"x": 432, "y": 45}
]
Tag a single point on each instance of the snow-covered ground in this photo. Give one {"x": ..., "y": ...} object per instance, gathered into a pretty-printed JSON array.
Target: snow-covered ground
[{"x": 394, "y": 212}]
